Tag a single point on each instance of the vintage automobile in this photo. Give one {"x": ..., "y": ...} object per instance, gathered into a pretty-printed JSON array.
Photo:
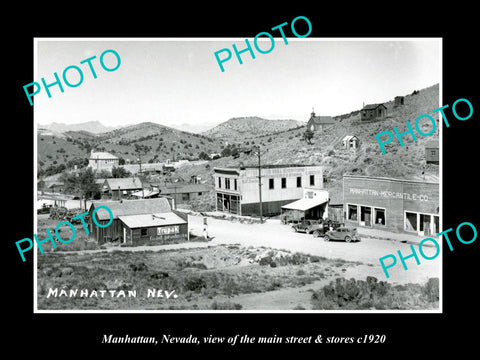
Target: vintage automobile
[
  {"x": 327, "y": 225},
  {"x": 307, "y": 226},
  {"x": 347, "y": 234}
]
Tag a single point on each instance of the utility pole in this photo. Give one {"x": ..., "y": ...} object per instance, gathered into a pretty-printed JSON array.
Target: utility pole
[{"x": 139, "y": 176}]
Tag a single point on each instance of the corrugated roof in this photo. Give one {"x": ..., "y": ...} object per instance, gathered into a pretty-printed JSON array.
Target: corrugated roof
[
  {"x": 151, "y": 220},
  {"x": 124, "y": 183},
  {"x": 132, "y": 207},
  {"x": 305, "y": 204}
]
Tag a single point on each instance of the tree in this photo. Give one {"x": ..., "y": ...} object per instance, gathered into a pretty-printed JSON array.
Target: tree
[
  {"x": 308, "y": 136},
  {"x": 81, "y": 183},
  {"x": 120, "y": 172},
  {"x": 203, "y": 156}
]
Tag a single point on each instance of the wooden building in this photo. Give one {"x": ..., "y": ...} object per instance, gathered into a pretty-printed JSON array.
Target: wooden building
[
  {"x": 312, "y": 206},
  {"x": 158, "y": 228},
  {"x": 432, "y": 152},
  {"x": 127, "y": 222},
  {"x": 237, "y": 189},
  {"x": 399, "y": 100},
  {"x": 391, "y": 204},
  {"x": 351, "y": 142},
  {"x": 120, "y": 188},
  {"x": 373, "y": 112},
  {"x": 180, "y": 192},
  {"x": 319, "y": 123}
]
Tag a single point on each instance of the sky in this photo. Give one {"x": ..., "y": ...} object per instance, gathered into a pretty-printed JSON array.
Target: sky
[{"x": 178, "y": 81}]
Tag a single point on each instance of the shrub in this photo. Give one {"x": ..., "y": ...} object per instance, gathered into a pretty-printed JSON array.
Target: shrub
[
  {"x": 194, "y": 284},
  {"x": 227, "y": 305},
  {"x": 431, "y": 290},
  {"x": 359, "y": 294}
]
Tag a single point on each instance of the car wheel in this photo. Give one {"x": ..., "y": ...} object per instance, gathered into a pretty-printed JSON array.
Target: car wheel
[
  {"x": 294, "y": 229},
  {"x": 348, "y": 238},
  {"x": 316, "y": 233},
  {"x": 326, "y": 238}
]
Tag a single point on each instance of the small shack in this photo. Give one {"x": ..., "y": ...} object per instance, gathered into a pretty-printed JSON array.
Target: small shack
[
  {"x": 131, "y": 216},
  {"x": 159, "y": 228},
  {"x": 351, "y": 142},
  {"x": 373, "y": 112},
  {"x": 399, "y": 100}
]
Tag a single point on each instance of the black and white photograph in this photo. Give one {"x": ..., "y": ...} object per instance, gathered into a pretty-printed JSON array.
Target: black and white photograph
[
  {"x": 256, "y": 186},
  {"x": 277, "y": 179}
]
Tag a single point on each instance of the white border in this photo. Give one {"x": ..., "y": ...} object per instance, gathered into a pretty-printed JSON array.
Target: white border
[{"x": 35, "y": 304}]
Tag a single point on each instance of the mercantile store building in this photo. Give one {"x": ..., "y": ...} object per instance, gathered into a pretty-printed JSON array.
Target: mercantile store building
[{"x": 392, "y": 204}]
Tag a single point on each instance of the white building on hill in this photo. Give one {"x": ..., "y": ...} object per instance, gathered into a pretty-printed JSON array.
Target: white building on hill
[{"x": 102, "y": 161}]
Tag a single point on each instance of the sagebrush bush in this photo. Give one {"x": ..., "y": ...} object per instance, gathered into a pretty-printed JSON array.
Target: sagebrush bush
[{"x": 371, "y": 293}]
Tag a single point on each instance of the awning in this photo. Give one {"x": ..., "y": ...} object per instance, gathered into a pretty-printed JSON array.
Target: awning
[
  {"x": 305, "y": 204},
  {"x": 151, "y": 220}
]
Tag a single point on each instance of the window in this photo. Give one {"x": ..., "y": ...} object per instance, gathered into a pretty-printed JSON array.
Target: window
[
  {"x": 410, "y": 221},
  {"x": 143, "y": 232},
  {"x": 185, "y": 196},
  {"x": 284, "y": 183},
  {"x": 227, "y": 183},
  {"x": 312, "y": 180},
  {"x": 199, "y": 193},
  {"x": 352, "y": 212},
  {"x": 299, "y": 181},
  {"x": 271, "y": 184},
  {"x": 219, "y": 182},
  {"x": 379, "y": 216},
  {"x": 234, "y": 184},
  {"x": 365, "y": 215}
]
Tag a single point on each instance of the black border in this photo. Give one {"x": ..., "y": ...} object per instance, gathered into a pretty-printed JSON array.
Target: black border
[{"x": 411, "y": 334}]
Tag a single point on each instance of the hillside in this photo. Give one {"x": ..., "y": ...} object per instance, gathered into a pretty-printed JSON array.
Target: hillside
[
  {"x": 150, "y": 142},
  {"x": 288, "y": 147},
  {"x": 153, "y": 142},
  {"x": 240, "y": 128},
  {"x": 94, "y": 127}
]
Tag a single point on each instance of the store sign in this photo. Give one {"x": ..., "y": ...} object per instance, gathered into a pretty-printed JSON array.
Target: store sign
[
  {"x": 389, "y": 194},
  {"x": 168, "y": 230}
]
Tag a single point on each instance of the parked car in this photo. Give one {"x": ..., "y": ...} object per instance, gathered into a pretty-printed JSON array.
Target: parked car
[
  {"x": 307, "y": 226},
  {"x": 327, "y": 225},
  {"x": 342, "y": 233}
]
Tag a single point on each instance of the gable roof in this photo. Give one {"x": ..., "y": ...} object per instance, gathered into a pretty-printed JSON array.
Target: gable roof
[
  {"x": 373, "y": 106},
  {"x": 322, "y": 120},
  {"x": 131, "y": 207},
  {"x": 123, "y": 183},
  {"x": 349, "y": 137}
]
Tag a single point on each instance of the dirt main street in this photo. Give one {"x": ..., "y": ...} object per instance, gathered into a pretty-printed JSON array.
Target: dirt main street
[{"x": 368, "y": 251}]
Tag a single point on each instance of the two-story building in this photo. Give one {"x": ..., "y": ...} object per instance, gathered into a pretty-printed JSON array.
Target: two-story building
[
  {"x": 99, "y": 161},
  {"x": 237, "y": 190}
]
